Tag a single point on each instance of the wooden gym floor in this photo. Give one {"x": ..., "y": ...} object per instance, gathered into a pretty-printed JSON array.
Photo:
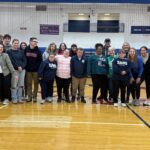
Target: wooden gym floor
[{"x": 32, "y": 126}]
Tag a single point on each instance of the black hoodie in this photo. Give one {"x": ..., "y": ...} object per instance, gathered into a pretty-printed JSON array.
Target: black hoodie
[{"x": 34, "y": 59}]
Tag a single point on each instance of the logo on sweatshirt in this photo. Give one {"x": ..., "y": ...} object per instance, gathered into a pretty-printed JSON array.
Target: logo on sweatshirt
[
  {"x": 122, "y": 63},
  {"x": 53, "y": 66}
]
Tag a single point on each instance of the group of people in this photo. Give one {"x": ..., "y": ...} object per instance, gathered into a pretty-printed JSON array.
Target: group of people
[{"x": 23, "y": 67}]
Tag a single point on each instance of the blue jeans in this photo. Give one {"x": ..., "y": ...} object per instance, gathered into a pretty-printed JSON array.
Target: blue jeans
[{"x": 17, "y": 86}]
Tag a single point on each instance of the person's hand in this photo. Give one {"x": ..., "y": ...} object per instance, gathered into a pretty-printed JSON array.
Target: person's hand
[
  {"x": 131, "y": 80},
  {"x": 123, "y": 72},
  {"x": 138, "y": 80},
  {"x": 20, "y": 69},
  {"x": 16, "y": 77}
]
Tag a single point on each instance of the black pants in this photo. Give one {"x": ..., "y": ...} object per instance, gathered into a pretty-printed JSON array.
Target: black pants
[
  {"x": 118, "y": 84},
  {"x": 135, "y": 88},
  {"x": 99, "y": 82},
  {"x": 63, "y": 84},
  {"x": 146, "y": 77},
  {"x": 46, "y": 89},
  {"x": 5, "y": 86},
  {"x": 147, "y": 82}
]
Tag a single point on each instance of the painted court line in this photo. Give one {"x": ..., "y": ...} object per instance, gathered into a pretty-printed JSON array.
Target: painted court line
[
  {"x": 70, "y": 122},
  {"x": 138, "y": 116},
  {"x": 3, "y": 106}
]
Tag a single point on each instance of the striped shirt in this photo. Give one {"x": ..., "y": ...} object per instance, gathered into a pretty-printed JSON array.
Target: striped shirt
[{"x": 63, "y": 67}]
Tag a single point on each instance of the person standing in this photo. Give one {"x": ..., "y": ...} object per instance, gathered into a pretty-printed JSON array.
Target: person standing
[
  {"x": 121, "y": 76},
  {"x": 146, "y": 72},
  {"x": 34, "y": 59},
  {"x": 18, "y": 60},
  {"x": 79, "y": 73},
  {"x": 6, "y": 42},
  {"x": 7, "y": 71},
  {"x": 63, "y": 75},
  {"x": 111, "y": 58},
  {"x": 98, "y": 69},
  {"x": 46, "y": 74}
]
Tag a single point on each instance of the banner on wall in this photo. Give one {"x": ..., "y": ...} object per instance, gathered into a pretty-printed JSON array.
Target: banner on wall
[
  {"x": 48, "y": 29},
  {"x": 140, "y": 29}
]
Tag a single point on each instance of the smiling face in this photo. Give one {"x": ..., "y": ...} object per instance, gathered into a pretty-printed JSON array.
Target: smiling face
[
  {"x": 15, "y": 44},
  {"x": 66, "y": 53},
  {"x": 126, "y": 47},
  {"x": 99, "y": 50},
  {"x": 143, "y": 52},
  {"x": 132, "y": 53},
  {"x": 121, "y": 55},
  {"x": 23, "y": 46},
  {"x": 111, "y": 52}
]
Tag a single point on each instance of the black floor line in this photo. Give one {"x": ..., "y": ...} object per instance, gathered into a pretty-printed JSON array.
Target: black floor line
[{"x": 138, "y": 116}]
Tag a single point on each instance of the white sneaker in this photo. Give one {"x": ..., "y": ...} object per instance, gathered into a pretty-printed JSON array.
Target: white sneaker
[
  {"x": 20, "y": 101},
  {"x": 115, "y": 104},
  {"x": 42, "y": 101},
  {"x": 14, "y": 101},
  {"x": 123, "y": 105},
  {"x": 6, "y": 102},
  {"x": 49, "y": 99}
]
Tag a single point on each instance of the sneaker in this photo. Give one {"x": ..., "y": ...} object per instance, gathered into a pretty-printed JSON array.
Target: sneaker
[
  {"x": 133, "y": 102},
  {"x": 6, "y": 102},
  {"x": 123, "y": 105},
  {"x": 146, "y": 103},
  {"x": 29, "y": 99},
  {"x": 78, "y": 98},
  {"x": 73, "y": 99},
  {"x": 115, "y": 104},
  {"x": 83, "y": 100},
  {"x": 137, "y": 102},
  {"x": 14, "y": 101},
  {"x": 49, "y": 99},
  {"x": 21, "y": 101},
  {"x": 42, "y": 101}
]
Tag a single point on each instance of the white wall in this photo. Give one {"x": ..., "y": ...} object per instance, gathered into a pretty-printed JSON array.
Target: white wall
[{"x": 16, "y": 15}]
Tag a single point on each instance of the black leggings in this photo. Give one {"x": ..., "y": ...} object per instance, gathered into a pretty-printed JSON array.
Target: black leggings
[
  {"x": 63, "y": 84},
  {"x": 118, "y": 84},
  {"x": 5, "y": 86},
  {"x": 99, "y": 82}
]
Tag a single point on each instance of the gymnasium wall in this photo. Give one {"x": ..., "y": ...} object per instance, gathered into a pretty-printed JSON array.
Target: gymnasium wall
[{"x": 14, "y": 16}]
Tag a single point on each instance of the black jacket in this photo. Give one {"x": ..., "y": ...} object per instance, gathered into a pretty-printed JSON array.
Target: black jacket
[{"x": 34, "y": 59}]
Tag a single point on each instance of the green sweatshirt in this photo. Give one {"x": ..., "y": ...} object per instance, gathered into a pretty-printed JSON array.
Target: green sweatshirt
[
  {"x": 110, "y": 61},
  {"x": 97, "y": 65}
]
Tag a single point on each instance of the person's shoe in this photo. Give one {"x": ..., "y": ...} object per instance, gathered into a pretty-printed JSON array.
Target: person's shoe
[
  {"x": 14, "y": 101},
  {"x": 68, "y": 100},
  {"x": 78, "y": 98},
  {"x": 95, "y": 102},
  {"x": 59, "y": 100},
  {"x": 49, "y": 99},
  {"x": 29, "y": 99},
  {"x": 20, "y": 101},
  {"x": 110, "y": 102},
  {"x": 137, "y": 102},
  {"x": 34, "y": 99},
  {"x": 146, "y": 103},
  {"x": 123, "y": 105},
  {"x": 73, "y": 99},
  {"x": 42, "y": 101},
  {"x": 103, "y": 101},
  {"x": 133, "y": 102},
  {"x": 115, "y": 104},
  {"x": 6, "y": 102},
  {"x": 83, "y": 100}
]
